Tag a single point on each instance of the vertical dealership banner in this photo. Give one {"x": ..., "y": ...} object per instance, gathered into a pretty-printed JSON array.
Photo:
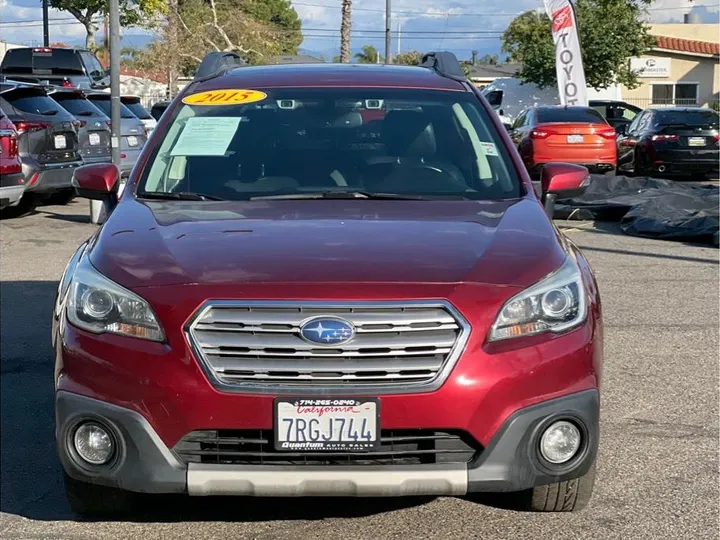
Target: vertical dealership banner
[{"x": 568, "y": 60}]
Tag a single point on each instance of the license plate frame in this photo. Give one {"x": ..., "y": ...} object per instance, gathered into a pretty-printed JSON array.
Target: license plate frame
[
  {"x": 94, "y": 139},
  {"x": 575, "y": 139},
  {"x": 696, "y": 142},
  {"x": 132, "y": 140},
  {"x": 330, "y": 410},
  {"x": 60, "y": 142}
]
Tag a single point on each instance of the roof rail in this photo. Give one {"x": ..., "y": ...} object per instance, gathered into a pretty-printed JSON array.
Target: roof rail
[
  {"x": 444, "y": 63},
  {"x": 216, "y": 63}
]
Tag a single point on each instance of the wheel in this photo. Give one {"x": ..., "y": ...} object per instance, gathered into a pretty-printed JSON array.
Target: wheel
[
  {"x": 62, "y": 197},
  {"x": 94, "y": 500},
  {"x": 25, "y": 206},
  {"x": 638, "y": 167},
  {"x": 570, "y": 496}
]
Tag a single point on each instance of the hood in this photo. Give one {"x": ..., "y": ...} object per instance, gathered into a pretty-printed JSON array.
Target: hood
[{"x": 166, "y": 243}]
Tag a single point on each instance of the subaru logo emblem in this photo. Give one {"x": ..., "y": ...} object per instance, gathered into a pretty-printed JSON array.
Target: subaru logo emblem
[{"x": 327, "y": 331}]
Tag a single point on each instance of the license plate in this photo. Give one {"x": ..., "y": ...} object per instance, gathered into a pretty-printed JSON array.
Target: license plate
[
  {"x": 575, "y": 139},
  {"x": 94, "y": 139},
  {"x": 60, "y": 142},
  {"x": 696, "y": 141},
  {"x": 322, "y": 425},
  {"x": 132, "y": 140}
]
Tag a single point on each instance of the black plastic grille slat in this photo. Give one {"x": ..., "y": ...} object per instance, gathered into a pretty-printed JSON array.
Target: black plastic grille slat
[{"x": 256, "y": 447}]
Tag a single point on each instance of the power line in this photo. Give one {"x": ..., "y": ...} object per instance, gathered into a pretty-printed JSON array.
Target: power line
[{"x": 468, "y": 14}]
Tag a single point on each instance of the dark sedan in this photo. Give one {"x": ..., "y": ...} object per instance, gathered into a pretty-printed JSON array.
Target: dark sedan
[{"x": 671, "y": 141}]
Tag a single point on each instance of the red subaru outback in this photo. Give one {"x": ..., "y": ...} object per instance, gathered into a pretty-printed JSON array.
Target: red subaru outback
[{"x": 328, "y": 280}]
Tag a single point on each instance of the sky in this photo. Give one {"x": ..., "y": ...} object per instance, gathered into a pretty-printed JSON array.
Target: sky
[{"x": 460, "y": 26}]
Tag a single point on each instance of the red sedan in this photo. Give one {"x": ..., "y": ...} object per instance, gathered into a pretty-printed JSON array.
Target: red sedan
[{"x": 569, "y": 134}]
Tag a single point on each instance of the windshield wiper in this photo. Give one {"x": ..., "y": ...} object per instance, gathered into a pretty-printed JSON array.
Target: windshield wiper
[
  {"x": 49, "y": 113},
  {"x": 338, "y": 195},
  {"x": 179, "y": 196},
  {"x": 84, "y": 113}
]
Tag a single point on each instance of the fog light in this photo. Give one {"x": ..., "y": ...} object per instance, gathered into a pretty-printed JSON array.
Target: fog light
[
  {"x": 560, "y": 442},
  {"x": 93, "y": 443}
]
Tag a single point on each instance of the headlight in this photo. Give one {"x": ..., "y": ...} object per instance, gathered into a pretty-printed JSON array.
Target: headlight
[
  {"x": 555, "y": 304},
  {"x": 99, "y": 305}
]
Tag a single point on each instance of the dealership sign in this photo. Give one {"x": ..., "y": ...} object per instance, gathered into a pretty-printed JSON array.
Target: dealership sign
[
  {"x": 568, "y": 61},
  {"x": 651, "y": 67}
]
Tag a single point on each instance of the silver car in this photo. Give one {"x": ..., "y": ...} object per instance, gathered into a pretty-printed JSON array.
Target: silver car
[{"x": 133, "y": 134}]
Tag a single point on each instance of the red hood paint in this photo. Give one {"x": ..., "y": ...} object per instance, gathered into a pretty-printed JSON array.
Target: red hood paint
[{"x": 159, "y": 243}]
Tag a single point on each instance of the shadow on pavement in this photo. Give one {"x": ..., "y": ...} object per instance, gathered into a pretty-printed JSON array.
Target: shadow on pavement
[{"x": 31, "y": 475}]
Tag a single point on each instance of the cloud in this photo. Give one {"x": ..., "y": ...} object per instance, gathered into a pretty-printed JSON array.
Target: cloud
[{"x": 457, "y": 25}]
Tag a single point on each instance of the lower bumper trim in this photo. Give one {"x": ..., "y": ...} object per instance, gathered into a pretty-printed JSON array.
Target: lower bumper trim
[{"x": 399, "y": 481}]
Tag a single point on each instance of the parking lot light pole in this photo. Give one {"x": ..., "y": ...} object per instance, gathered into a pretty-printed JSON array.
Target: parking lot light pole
[
  {"x": 46, "y": 24},
  {"x": 115, "y": 79}
]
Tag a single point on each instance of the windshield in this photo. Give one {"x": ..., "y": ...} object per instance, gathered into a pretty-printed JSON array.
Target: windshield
[
  {"x": 420, "y": 143},
  {"x": 700, "y": 117},
  {"x": 583, "y": 115},
  {"x": 77, "y": 105},
  {"x": 138, "y": 110},
  {"x": 32, "y": 101},
  {"x": 104, "y": 105}
]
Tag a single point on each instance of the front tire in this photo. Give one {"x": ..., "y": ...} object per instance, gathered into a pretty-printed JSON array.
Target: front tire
[
  {"x": 92, "y": 500},
  {"x": 570, "y": 496}
]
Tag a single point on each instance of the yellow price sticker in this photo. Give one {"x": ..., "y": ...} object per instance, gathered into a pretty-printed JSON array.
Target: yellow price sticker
[{"x": 224, "y": 97}]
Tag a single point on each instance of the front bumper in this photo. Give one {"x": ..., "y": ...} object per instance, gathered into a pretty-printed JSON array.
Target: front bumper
[{"x": 509, "y": 462}]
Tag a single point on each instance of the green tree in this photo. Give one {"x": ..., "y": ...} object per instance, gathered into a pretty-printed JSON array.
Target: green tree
[
  {"x": 369, "y": 55},
  {"x": 255, "y": 29},
  {"x": 410, "y": 58},
  {"x": 280, "y": 16},
  {"x": 488, "y": 59},
  {"x": 610, "y": 31},
  {"x": 345, "y": 26},
  {"x": 132, "y": 13}
]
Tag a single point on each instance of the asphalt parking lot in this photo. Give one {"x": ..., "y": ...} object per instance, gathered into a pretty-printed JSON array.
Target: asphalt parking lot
[{"x": 658, "y": 465}]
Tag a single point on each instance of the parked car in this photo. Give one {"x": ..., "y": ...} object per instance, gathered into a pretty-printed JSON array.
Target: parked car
[
  {"x": 135, "y": 105},
  {"x": 509, "y": 96},
  {"x": 132, "y": 131},
  {"x": 47, "y": 142},
  {"x": 617, "y": 113},
  {"x": 672, "y": 140},
  {"x": 570, "y": 134},
  {"x": 78, "y": 68},
  {"x": 305, "y": 304},
  {"x": 158, "y": 109},
  {"x": 93, "y": 125},
  {"x": 12, "y": 181}
]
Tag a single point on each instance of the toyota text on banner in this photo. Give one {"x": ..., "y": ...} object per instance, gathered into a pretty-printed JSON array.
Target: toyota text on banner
[{"x": 568, "y": 60}]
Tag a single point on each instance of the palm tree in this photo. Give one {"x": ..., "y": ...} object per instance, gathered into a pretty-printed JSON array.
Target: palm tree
[
  {"x": 369, "y": 55},
  {"x": 345, "y": 31}
]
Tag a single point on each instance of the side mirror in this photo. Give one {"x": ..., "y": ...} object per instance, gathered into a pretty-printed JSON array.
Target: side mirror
[
  {"x": 562, "y": 181},
  {"x": 99, "y": 182},
  {"x": 494, "y": 98}
]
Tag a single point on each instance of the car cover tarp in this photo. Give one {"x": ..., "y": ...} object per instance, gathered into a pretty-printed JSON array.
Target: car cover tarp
[{"x": 649, "y": 207}]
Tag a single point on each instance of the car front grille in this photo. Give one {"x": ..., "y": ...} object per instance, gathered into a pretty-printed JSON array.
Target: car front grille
[
  {"x": 397, "y": 447},
  {"x": 260, "y": 344}
]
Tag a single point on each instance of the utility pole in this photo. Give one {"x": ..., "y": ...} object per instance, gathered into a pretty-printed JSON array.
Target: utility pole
[
  {"x": 115, "y": 79},
  {"x": 399, "y": 36},
  {"x": 46, "y": 24},
  {"x": 171, "y": 58},
  {"x": 388, "y": 33}
]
